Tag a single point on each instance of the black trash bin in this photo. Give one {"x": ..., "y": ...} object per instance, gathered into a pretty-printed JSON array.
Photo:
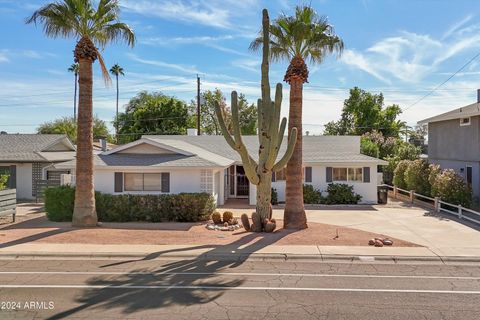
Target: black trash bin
[{"x": 382, "y": 193}]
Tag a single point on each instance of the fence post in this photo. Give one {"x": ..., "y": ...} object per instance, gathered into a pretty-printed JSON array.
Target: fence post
[
  {"x": 460, "y": 213},
  {"x": 436, "y": 204},
  {"x": 412, "y": 195},
  {"x": 395, "y": 192}
]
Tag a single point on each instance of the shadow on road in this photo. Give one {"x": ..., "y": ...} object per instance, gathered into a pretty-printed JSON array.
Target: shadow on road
[{"x": 188, "y": 272}]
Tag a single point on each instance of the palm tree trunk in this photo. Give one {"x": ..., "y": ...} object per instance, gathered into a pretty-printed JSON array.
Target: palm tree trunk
[
  {"x": 75, "y": 98},
  {"x": 84, "y": 213},
  {"x": 116, "y": 116},
  {"x": 294, "y": 214}
]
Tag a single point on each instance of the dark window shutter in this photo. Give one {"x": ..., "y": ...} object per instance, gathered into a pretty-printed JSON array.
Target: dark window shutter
[
  {"x": 366, "y": 174},
  {"x": 308, "y": 174},
  {"x": 329, "y": 174},
  {"x": 12, "y": 180},
  {"x": 274, "y": 177},
  {"x": 118, "y": 182},
  {"x": 165, "y": 181}
]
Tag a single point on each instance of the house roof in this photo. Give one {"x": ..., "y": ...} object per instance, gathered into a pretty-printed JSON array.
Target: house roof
[
  {"x": 463, "y": 112},
  {"x": 35, "y": 148}
]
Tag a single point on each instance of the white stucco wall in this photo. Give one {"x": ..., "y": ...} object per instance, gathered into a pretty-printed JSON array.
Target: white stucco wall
[
  {"x": 24, "y": 180},
  {"x": 368, "y": 191},
  {"x": 181, "y": 180}
]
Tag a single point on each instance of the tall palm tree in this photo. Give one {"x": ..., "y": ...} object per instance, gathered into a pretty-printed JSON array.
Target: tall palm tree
[
  {"x": 306, "y": 36},
  {"x": 90, "y": 27},
  {"x": 116, "y": 70},
  {"x": 74, "y": 68}
]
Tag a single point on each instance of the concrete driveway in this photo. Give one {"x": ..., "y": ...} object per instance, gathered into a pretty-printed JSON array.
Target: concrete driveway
[{"x": 441, "y": 234}]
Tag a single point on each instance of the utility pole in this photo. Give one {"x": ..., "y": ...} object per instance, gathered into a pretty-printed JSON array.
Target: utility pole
[{"x": 198, "y": 105}]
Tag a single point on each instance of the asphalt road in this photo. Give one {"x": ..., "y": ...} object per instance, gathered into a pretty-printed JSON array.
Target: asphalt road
[{"x": 200, "y": 289}]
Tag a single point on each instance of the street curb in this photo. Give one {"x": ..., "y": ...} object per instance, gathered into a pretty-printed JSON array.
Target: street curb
[{"x": 235, "y": 257}]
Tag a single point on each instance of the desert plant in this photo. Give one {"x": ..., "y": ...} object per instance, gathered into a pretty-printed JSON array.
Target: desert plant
[
  {"x": 270, "y": 225},
  {"x": 233, "y": 221},
  {"x": 311, "y": 195},
  {"x": 340, "y": 193},
  {"x": 216, "y": 217},
  {"x": 227, "y": 216},
  {"x": 271, "y": 134},
  {"x": 245, "y": 222}
]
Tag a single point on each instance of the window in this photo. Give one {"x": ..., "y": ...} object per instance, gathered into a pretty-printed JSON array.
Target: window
[
  {"x": 469, "y": 176},
  {"x": 347, "y": 174},
  {"x": 465, "y": 121},
  {"x": 143, "y": 182}
]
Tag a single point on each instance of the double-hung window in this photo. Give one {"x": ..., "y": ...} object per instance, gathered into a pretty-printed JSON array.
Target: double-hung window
[
  {"x": 143, "y": 182},
  {"x": 347, "y": 174}
]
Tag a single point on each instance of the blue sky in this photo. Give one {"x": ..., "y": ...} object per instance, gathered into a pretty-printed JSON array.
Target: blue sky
[{"x": 401, "y": 48}]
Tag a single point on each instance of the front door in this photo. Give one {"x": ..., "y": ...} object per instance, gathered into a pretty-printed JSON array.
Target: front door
[{"x": 243, "y": 185}]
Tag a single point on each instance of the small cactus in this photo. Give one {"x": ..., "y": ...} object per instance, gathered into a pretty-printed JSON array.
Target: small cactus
[
  {"x": 227, "y": 216},
  {"x": 270, "y": 225},
  {"x": 217, "y": 217},
  {"x": 233, "y": 221},
  {"x": 245, "y": 222},
  {"x": 256, "y": 222},
  {"x": 270, "y": 212}
]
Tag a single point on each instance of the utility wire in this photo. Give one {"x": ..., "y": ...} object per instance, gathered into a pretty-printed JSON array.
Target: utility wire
[{"x": 441, "y": 84}]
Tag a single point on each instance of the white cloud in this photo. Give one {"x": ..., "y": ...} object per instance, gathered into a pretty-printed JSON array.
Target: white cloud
[
  {"x": 248, "y": 64},
  {"x": 456, "y": 26},
  {"x": 4, "y": 56},
  {"x": 189, "y": 12},
  {"x": 411, "y": 57},
  {"x": 158, "y": 63}
]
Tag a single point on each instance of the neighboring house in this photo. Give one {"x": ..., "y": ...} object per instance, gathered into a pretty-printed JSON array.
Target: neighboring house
[
  {"x": 454, "y": 142},
  {"x": 29, "y": 158},
  {"x": 174, "y": 164}
]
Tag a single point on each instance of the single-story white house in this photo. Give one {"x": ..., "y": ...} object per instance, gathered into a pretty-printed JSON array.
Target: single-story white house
[
  {"x": 30, "y": 158},
  {"x": 188, "y": 163}
]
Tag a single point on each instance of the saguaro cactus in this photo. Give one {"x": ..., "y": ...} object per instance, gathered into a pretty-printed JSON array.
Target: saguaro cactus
[{"x": 270, "y": 136}]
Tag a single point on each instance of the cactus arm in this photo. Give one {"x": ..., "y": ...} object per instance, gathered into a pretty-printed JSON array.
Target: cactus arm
[
  {"x": 281, "y": 133},
  {"x": 249, "y": 164},
  {"x": 274, "y": 124},
  {"x": 288, "y": 153},
  {"x": 265, "y": 57},
  {"x": 223, "y": 127}
]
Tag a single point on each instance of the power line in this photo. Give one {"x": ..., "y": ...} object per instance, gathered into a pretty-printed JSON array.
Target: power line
[{"x": 441, "y": 84}]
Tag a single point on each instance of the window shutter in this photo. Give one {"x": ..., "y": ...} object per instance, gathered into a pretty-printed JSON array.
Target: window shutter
[
  {"x": 165, "y": 181},
  {"x": 329, "y": 174},
  {"x": 274, "y": 177},
  {"x": 308, "y": 174},
  {"x": 366, "y": 174},
  {"x": 118, "y": 182},
  {"x": 12, "y": 180}
]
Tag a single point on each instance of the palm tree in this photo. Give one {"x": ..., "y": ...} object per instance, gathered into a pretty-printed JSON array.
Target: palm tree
[
  {"x": 91, "y": 27},
  {"x": 296, "y": 39},
  {"x": 74, "y": 68},
  {"x": 116, "y": 70}
]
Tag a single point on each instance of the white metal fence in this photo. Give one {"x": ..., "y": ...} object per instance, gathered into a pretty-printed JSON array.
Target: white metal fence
[{"x": 439, "y": 205}]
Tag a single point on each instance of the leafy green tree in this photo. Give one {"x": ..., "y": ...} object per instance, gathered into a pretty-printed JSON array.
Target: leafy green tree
[
  {"x": 152, "y": 113},
  {"x": 451, "y": 187},
  {"x": 68, "y": 126},
  {"x": 90, "y": 26},
  {"x": 209, "y": 121},
  {"x": 364, "y": 112},
  {"x": 305, "y": 36},
  {"x": 3, "y": 181},
  {"x": 417, "y": 177}
]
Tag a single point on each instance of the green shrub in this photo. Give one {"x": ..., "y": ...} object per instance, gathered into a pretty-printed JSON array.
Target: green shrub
[
  {"x": 183, "y": 207},
  {"x": 340, "y": 193},
  {"x": 451, "y": 187},
  {"x": 311, "y": 195},
  {"x": 399, "y": 174},
  {"x": 59, "y": 203},
  {"x": 3, "y": 181},
  {"x": 227, "y": 216},
  {"x": 417, "y": 177},
  {"x": 274, "y": 197}
]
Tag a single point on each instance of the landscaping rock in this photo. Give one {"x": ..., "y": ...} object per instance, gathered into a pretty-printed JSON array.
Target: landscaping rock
[
  {"x": 371, "y": 242},
  {"x": 378, "y": 243},
  {"x": 387, "y": 242}
]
